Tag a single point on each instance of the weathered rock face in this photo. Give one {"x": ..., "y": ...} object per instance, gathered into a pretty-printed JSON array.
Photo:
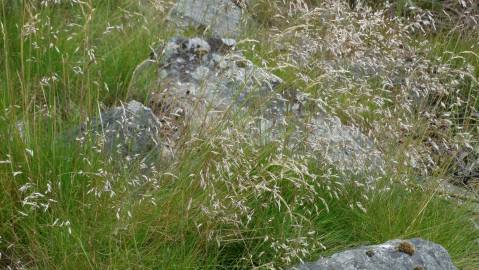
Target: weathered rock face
[
  {"x": 221, "y": 17},
  {"x": 199, "y": 78},
  {"x": 211, "y": 69},
  {"x": 129, "y": 130},
  {"x": 414, "y": 254},
  {"x": 198, "y": 81}
]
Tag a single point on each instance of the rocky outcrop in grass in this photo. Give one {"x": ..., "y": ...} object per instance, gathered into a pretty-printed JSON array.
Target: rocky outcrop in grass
[{"x": 325, "y": 128}]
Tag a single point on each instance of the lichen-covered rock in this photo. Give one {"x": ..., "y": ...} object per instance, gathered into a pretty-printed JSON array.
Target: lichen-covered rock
[
  {"x": 414, "y": 254},
  {"x": 130, "y": 130},
  {"x": 222, "y": 17},
  {"x": 199, "y": 78},
  {"x": 211, "y": 68}
]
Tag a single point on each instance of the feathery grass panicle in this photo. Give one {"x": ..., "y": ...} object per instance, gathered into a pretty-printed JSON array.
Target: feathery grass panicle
[{"x": 228, "y": 200}]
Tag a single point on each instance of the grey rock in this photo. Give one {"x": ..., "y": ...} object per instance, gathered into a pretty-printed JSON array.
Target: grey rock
[
  {"x": 411, "y": 254},
  {"x": 130, "y": 130},
  {"x": 221, "y": 17},
  {"x": 203, "y": 77},
  {"x": 344, "y": 146},
  {"x": 200, "y": 79}
]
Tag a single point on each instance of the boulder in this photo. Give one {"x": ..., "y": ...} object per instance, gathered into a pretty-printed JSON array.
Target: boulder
[
  {"x": 414, "y": 254},
  {"x": 199, "y": 78},
  {"x": 211, "y": 68},
  {"x": 130, "y": 130},
  {"x": 222, "y": 17}
]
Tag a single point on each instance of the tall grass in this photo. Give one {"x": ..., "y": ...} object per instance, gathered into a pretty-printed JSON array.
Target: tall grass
[{"x": 227, "y": 201}]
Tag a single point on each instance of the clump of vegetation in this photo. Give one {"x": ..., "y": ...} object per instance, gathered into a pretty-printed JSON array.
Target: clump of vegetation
[
  {"x": 227, "y": 200},
  {"x": 437, "y": 15}
]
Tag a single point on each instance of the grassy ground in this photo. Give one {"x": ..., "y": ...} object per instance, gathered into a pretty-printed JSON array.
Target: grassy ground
[{"x": 226, "y": 203}]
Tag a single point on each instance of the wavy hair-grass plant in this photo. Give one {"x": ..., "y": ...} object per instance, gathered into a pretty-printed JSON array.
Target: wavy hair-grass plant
[
  {"x": 263, "y": 203},
  {"x": 378, "y": 72}
]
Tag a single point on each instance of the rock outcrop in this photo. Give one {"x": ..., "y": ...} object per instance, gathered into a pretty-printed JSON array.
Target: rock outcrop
[
  {"x": 414, "y": 254},
  {"x": 200, "y": 78},
  {"x": 222, "y": 17},
  {"x": 211, "y": 69}
]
